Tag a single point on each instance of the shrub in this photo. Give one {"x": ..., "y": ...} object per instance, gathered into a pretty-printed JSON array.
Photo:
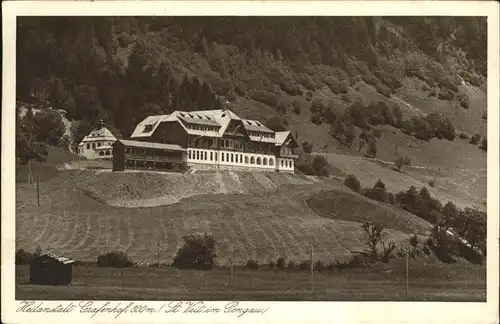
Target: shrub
[
  {"x": 281, "y": 108},
  {"x": 407, "y": 161},
  {"x": 307, "y": 147},
  {"x": 344, "y": 86},
  {"x": 24, "y": 257},
  {"x": 469, "y": 253},
  {"x": 475, "y": 138},
  {"x": 281, "y": 263},
  {"x": 276, "y": 124},
  {"x": 309, "y": 95},
  {"x": 472, "y": 79},
  {"x": 317, "y": 118},
  {"x": 358, "y": 261},
  {"x": 231, "y": 96},
  {"x": 198, "y": 252},
  {"x": 445, "y": 94},
  {"x": 377, "y": 132},
  {"x": 448, "y": 83},
  {"x": 319, "y": 266},
  {"x": 440, "y": 126},
  {"x": 291, "y": 266},
  {"x": 399, "y": 163},
  {"x": 345, "y": 98},
  {"x": 240, "y": 89},
  {"x": 317, "y": 106},
  {"x": 305, "y": 265},
  {"x": 464, "y": 102},
  {"x": 371, "y": 151},
  {"x": 320, "y": 166},
  {"x": 352, "y": 183},
  {"x": 329, "y": 115},
  {"x": 115, "y": 259},
  {"x": 305, "y": 80},
  {"x": 383, "y": 89},
  {"x": 271, "y": 265},
  {"x": 268, "y": 98},
  {"x": 443, "y": 245},
  {"x": 484, "y": 144},
  {"x": 414, "y": 242},
  {"x": 296, "y": 107},
  {"x": 305, "y": 168},
  {"x": 463, "y": 135},
  {"x": 333, "y": 83},
  {"x": 252, "y": 265},
  {"x": 388, "y": 250}
]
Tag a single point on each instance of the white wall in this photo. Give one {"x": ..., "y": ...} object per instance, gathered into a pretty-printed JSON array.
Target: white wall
[
  {"x": 208, "y": 157},
  {"x": 91, "y": 153}
]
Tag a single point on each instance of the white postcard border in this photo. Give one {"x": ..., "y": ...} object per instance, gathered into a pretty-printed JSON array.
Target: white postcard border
[{"x": 312, "y": 312}]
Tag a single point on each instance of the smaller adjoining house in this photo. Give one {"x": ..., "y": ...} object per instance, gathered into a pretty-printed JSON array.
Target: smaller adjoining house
[
  {"x": 50, "y": 269},
  {"x": 147, "y": 155},
  {"x": 98, "y": 144},
  {"x": 285, "y": 157}
]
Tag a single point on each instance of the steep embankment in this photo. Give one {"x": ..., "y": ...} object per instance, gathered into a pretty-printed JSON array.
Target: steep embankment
[
  {"x": 141, "y": 189},
  {"x": 260, "y": 224}
]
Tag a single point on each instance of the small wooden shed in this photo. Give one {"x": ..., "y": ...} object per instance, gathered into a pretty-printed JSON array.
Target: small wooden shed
[{"x": 50, "y": 269}]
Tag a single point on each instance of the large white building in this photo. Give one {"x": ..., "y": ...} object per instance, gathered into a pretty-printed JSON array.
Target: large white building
[
  {"x": 213, "y": 139},
  {"x": 98, "y": 144}
]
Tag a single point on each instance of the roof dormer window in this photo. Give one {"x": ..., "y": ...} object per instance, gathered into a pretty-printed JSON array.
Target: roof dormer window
[{"x": 147, "y": 128}]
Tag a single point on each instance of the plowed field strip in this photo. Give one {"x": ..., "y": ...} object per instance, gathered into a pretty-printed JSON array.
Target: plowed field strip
[
  {"x": 265, "y": 246},
  {"x": 248, "y": 242}
]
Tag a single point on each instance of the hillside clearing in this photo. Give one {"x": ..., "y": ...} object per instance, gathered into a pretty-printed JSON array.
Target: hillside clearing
[{"x": 465, "y": 188}]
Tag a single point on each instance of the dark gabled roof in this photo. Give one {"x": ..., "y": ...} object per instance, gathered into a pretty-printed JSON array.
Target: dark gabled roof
[{"x": 54, "y": 257}]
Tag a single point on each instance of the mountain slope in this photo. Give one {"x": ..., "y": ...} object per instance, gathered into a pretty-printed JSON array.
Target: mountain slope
[{"x": 123, "y": 69}]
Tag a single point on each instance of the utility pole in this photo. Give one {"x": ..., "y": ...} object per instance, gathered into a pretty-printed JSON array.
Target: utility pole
[
  {"x": 38, "y": 191},
  {"x": 64, "y": 203},
  {"x": 407, "y": 252},
  {"x": 29, "y": 174},
  {"x": 232, "y": 266},
  {"x": 312, "y": 269},
  {"x": 105, "y": 228},
  {"x": 158, "y": 251}
]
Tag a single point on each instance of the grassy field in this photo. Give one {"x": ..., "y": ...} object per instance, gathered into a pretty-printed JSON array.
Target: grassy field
[
  {"x": 259, "y": 224},
  {"x": 427, "y": 281}
]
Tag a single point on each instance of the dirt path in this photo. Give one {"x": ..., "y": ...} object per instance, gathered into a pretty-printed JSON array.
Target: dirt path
[{"x": 408, "y": 106}]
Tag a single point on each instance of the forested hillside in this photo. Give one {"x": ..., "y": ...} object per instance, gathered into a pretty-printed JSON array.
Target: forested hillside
[{"x": 348, "y": 74}]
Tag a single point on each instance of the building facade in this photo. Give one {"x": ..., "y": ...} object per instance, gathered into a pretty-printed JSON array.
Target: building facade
[
  {"x": 219, "y": 139},
  {"x": 129, "y": 154},
  {"x": 98, "y": 144}
]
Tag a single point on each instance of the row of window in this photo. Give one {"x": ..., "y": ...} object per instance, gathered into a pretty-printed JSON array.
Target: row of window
[
  {"x": 229, "y": 157},
  {"x": 149, "y": 152},
  {"x": 286, "y": 150},
  {"x": 98, "y": 144},
  {"x": 232, "y": 144},
  {"x": 202, "y": 128},
  {"x": 286, "y": 163},
  {"x": 259, "y": 134}
]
